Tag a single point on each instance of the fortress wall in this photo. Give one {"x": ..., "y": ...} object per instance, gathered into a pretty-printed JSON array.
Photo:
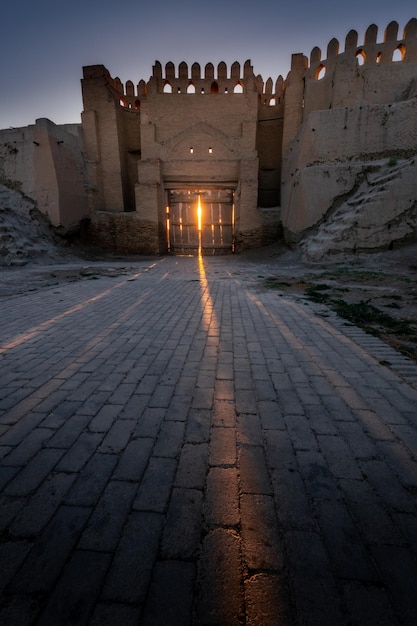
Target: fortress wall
[
  {"x": 103, "y": 136},
  {"x": 365, "y": 73},
  {"x": 342, "y": 115},
  {"x": 45, "y": 162},
  {"x": 333, "y": 151}
]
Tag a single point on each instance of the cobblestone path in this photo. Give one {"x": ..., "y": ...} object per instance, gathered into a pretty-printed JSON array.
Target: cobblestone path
[{"x": 181, "y": 447}]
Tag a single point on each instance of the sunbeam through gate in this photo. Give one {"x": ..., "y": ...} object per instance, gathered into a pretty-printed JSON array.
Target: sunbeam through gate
[{"x": 200, "y": 221}]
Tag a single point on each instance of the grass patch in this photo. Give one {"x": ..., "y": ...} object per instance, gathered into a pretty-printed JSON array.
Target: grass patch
[{"x": 274, "y": 283}]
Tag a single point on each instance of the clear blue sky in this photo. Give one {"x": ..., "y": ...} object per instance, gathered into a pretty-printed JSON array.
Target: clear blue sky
[{"x": 44, "y": 44}]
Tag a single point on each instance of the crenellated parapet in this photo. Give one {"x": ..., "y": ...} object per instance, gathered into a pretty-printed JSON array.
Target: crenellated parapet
[
  {"x": 193, "y": 80},
  {"x": 377, "y": 71},
  {"x": 370, "y": 72},
  {"x": 209, "y": 80}
]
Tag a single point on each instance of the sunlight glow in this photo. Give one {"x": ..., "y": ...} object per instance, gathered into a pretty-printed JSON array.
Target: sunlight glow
[{"x": 199, "y": 220}]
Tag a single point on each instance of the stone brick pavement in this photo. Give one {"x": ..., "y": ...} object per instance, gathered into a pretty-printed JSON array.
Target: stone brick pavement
[{"x": 180, "y": 446}]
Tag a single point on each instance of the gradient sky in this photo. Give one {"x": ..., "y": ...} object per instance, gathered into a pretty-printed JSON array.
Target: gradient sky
[{"x": 45, "y": 44}]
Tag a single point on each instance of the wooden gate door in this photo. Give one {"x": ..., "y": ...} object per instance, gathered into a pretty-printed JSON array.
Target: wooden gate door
[{"x": 200, "y": 221}]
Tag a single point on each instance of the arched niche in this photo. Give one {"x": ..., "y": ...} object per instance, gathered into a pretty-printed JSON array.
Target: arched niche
[{"x": 214, "y": 87}]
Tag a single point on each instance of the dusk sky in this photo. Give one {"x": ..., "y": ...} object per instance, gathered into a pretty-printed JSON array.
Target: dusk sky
[{"x": 45, "y": 44}]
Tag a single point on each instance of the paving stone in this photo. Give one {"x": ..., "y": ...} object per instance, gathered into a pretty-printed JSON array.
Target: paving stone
[
  {"x": 77, "y": 590},
  {"x": 50, "y": 552},
  {"x": 223, "y": 447},
  {"x": 181, "y": 536},
  {"x": 156, "y": 485},
  {"x": 221, "y": 506},
  {"x": 344, "y": 543},
  {"x": 109, "y": 516},
  {"x": 267, "y": 600},
  {"x": 32, "y": 443},
  {"x": 170, "y": 598},
  {"x": 248, "y": 430},
  {"x": 92, "y": 480},
  {"x": 134, "y": 459},
  {"x": 372, "y": 518},
  {"x": 261, "y": 546},
  {"x": 316, "y": 595},
  {"x": 12, "y": 554},
  {"x": 292, "y": 500},
  {"x": 198, "y": 426},
  {"x": 398, "y": 572},
  {"x": 149, "y": 423},
  {"x": 42, "y": 505},
  {"x": 219, "y": 599},
  {"x": 318, "y": 479},
  {"x": 69, "y": 432},
  {"x": 31, "y": 476},
  {"x": 279, "y": 449},
  {"x": 109, "y": 614},
  {"x": 169, "y": 439},
  {"x": 192, "y": 466},
  {"x": 254, "y": 476},
  {"x": 117, "y": 437},
  {"x": 78, "y": 455},
  {"x": 130, "y": 572},
  {"x": 180, "y": 449}
]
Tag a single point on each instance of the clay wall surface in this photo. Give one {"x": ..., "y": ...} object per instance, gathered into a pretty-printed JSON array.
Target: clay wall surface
[{"x": 45, "y": 162}]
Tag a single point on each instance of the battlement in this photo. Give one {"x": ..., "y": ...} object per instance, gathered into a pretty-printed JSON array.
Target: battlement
[
  {"x": 191, "y": 80},
  {"x": 371, "y": 52}
]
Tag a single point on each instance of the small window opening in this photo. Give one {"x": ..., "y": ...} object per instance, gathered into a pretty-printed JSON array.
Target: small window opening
[
  {"x": 167, "y": 88},
  {"x": 360, "y": 57},
  {"x": 399, "y": 53},
  {"x": 238, "y": 88},
  {"x": 191, "y": 88},
  {"x": 320, "y": 72},
  {"x": 191, "y": 150},
  {"x": 210, "y": 150}
]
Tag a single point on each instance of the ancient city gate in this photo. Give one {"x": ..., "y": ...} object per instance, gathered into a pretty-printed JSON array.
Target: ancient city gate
[{"x": 200, "y": 221}]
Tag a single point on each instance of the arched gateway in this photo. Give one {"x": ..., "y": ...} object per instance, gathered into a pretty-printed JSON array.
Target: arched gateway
[{"x": 181, "y": 167}]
